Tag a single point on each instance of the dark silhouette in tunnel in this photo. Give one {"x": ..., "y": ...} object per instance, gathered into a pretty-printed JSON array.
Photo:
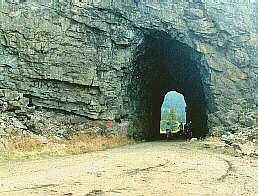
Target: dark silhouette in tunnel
[{"x": 161, "y": 65}]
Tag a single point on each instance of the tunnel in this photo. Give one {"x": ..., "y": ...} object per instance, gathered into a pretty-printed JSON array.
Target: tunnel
[{"x": 162, "y": 64}]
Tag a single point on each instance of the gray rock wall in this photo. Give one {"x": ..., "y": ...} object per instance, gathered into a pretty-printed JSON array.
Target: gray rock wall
[{"x": 113, "y": 60}]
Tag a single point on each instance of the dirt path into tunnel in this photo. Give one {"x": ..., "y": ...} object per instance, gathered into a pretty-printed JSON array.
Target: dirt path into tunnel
[{"x": 153, "y": 168}]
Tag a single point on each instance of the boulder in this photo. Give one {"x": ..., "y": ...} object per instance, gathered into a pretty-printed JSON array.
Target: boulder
[
  {"x": 17, "y": 124},
  {"x": 237, "y": 148},
  {"x": 249, "y": 122},
  {"x": 229, "y": 138},
  {"x": 193, "y": 139},
  {"x": 248, "y": 148},
  {"x": 3, "y": 106}
]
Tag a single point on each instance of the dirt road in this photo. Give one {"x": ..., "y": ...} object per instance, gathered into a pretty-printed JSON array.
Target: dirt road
[{"x": 154, "y": 168}]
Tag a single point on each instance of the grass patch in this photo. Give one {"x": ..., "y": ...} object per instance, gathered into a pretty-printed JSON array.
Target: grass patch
[
  {"x": 29, "y": 146},
  {"x": 199, "y": 145},
  {"x": 221, "y": 150}
]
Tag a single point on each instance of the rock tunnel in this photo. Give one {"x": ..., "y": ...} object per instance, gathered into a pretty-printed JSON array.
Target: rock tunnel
[
  {"x": 163, "y": 64},
  {"x": 115, "y": 61}
]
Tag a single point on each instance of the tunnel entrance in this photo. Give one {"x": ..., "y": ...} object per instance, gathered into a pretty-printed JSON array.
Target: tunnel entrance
[
  {"x": 164, "y": 64},
  {"x": 173, "y": 110}
]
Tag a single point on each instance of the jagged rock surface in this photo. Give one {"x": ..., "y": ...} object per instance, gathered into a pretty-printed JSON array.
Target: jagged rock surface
[{"x": 115, "y": 60}]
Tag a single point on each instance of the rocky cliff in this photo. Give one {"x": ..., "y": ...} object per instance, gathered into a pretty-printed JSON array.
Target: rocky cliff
[{"x": 106, "y": 60}]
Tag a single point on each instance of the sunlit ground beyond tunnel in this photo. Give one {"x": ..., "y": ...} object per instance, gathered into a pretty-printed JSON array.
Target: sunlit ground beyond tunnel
[
  {"x": 173, "y": 111},
  {"x": 163, "y": 64}
]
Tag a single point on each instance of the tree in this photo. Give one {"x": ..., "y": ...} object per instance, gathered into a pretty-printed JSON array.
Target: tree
[
  {"x": 172, "y": 118},
  {"x": 163, "y": 124},
  {"x": 181, "y": 118},
  {"x": 164, "y": 114},
  {"x": 169, "y": 115}
]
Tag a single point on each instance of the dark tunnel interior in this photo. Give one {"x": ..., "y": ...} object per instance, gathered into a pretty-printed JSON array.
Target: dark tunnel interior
[{"x": 161, "y": 65}]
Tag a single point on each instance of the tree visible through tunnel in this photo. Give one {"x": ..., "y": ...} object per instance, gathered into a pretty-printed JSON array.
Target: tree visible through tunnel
[
  {"x": 164, "y": 64},
  {"x": 173, "y": 111}
]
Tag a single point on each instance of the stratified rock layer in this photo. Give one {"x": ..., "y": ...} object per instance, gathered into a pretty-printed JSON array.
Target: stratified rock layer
[{"x": 115, "y": 60}]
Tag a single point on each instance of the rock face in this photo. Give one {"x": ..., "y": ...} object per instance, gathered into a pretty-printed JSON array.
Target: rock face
[{"x": 115, "y": 60}]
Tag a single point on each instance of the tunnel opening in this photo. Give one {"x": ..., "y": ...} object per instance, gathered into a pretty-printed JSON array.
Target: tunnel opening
[
  {"x": 162, "y": 64},
  {"x": 173, "y": 110}
]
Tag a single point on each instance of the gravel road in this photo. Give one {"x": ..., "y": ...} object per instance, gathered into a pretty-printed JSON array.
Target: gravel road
[{"x": 151, "y": 168}]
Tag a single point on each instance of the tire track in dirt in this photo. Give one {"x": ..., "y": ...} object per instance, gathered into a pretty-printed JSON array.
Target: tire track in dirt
[
  {"x": 229, "y": 170},
  {"x": 152, "y": 168}
]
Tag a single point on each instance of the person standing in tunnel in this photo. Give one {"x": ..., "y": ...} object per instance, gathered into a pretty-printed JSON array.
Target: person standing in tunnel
[
  {"x": 190, "y": 126},
  {"x": 136, "y": 2},
  {"x": 185, "y": 128},
  {"x": 168, "y": 130},
  {"x": 181, "y": 128}
]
